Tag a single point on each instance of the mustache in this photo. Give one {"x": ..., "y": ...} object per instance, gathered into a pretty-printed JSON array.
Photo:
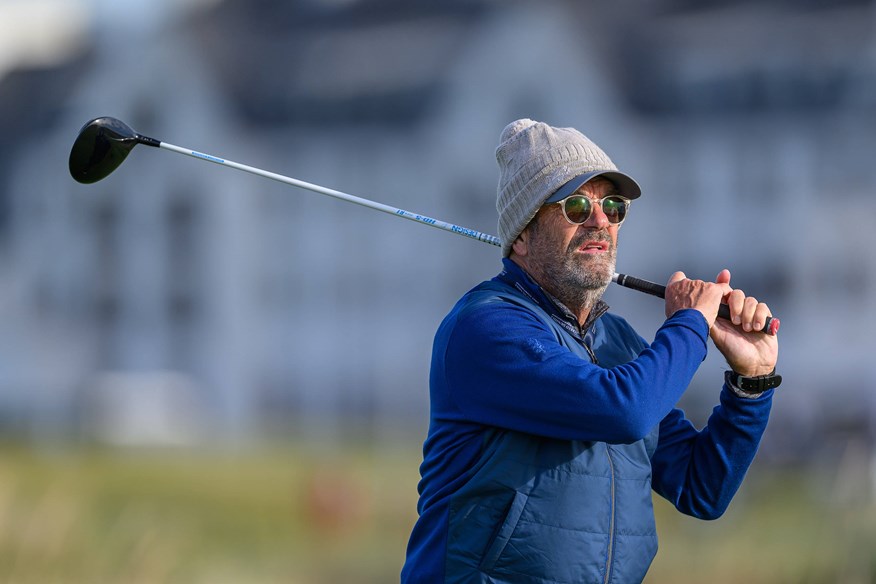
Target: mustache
[{"x": 590, "y": 235}]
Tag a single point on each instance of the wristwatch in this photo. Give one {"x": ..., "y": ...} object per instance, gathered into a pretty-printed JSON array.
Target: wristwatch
[{"x": 753, "y": 385}]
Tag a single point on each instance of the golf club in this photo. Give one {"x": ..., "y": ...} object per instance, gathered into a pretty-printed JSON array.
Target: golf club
[{"x": 104, "y": 143}]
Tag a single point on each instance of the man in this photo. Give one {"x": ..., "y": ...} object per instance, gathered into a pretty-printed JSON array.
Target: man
[{"x": 551, "y": 419}]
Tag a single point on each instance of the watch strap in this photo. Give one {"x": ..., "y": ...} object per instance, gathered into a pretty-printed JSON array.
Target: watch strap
[{"x": 753, "y": 385}]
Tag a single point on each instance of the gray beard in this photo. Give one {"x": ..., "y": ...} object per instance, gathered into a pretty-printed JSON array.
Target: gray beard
[{"x": 579, "y": 285}]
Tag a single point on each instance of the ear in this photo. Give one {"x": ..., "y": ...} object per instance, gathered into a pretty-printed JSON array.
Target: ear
[{"x": 521, "y": 244}]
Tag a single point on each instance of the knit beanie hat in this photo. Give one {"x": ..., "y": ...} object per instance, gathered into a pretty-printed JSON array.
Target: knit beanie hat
[{"x": 538, "y": 162}]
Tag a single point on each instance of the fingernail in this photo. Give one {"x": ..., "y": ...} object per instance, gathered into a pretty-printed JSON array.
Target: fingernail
[{"x": 737, "y": 320}]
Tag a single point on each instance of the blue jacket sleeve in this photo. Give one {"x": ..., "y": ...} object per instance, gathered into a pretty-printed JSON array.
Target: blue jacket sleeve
[
  {"x": 700, "y": 471},
  {"x": 503, "y": 367}
]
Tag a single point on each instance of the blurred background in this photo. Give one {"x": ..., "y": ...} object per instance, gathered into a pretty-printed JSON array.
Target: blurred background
[{"x": 209, "y": 377}]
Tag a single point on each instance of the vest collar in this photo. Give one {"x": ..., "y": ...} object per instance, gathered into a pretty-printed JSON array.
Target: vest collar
[{"x": 515, "y": 276}]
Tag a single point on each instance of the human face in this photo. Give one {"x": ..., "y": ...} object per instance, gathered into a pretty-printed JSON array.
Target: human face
[{"x": 571, "y": 261}]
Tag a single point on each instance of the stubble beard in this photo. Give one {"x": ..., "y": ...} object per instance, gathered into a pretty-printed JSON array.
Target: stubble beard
[{"x": 578, "y": 280}]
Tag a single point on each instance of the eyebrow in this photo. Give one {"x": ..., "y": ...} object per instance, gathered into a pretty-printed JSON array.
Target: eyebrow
[{"x": 611, "y": 191}]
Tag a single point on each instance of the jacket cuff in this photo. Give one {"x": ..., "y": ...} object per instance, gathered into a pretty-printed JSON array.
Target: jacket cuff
[
  {"x": 692, "y": 319},
  {"x": 741, "y": 393}
]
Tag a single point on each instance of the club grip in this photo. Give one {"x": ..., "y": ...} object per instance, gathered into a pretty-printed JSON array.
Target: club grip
[
  {"x": 770, "y": 327},
  {"x": 641, "y": 285}
]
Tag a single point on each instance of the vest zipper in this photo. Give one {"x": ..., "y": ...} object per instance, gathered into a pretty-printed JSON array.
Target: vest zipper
[
  {"x": 590, "y": 352},
  {"x": 611, "y": 524}
]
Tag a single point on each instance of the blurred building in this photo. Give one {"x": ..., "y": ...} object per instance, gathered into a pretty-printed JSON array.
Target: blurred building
[{"x": 279, "y": 311}]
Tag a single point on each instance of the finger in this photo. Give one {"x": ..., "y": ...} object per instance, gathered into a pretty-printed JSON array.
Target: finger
[
  {"x": 723, "y": 277},
  {"x": 760, "y": 315},
  {"x": 748, "y": 313},
  {"x": 736, "y": 302},
  {"x": 725, "y": 289}
]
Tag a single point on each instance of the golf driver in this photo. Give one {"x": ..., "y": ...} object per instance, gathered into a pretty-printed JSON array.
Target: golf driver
[{"x": 104, "y": 143}]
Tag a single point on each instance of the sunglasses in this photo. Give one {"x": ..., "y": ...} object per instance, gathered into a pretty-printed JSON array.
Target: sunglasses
[{"x": 578, "y": 208}]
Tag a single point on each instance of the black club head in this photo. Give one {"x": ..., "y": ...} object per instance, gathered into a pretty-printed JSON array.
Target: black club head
[{"x": 101, "y": 146}]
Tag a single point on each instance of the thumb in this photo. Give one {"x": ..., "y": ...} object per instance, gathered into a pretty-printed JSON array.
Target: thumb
[
  {"x": 676, "y": 277},
  {"x": 723, "y": 277},
  {"x": 672, "y": 304}
]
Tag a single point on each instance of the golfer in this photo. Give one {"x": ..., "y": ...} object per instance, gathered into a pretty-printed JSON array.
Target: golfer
[{"x": 551, "y": 418}]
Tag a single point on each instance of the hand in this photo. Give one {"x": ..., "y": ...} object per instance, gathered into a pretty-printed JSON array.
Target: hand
[
  {"x": 703, "y": 296},
  {"x": 748, "y": 351}
]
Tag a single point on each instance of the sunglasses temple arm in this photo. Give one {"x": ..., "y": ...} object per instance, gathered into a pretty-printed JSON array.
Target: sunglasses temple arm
[{"x": 770, "y": 327}]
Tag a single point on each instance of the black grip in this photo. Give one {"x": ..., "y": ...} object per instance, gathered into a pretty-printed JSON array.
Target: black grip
[
  {"x": 641, "y": 285},
  {"x": 771, "y": 326}
]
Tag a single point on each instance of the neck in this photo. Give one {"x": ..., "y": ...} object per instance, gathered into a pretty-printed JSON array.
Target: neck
[
  {"x": 580, "y": 304},
  {"x": 579, "y": 300}
]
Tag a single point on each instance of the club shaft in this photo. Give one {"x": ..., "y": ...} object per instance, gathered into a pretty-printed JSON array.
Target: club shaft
[
  {"x": 771, "y": 326},
  {"x": 430, "y": 221}
]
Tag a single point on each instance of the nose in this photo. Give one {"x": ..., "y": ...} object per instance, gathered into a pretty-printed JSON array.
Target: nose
[{"x": 597, "y": 219}]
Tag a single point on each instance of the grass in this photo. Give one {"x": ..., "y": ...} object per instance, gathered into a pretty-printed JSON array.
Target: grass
[
  {"x": 271, "y": 517},
  {"x": 781, "y": 528},
  {"x": 288, "y": 516}
]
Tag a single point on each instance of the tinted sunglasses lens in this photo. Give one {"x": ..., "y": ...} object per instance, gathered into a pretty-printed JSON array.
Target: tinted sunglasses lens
[
  {"x": 577, "y": 208},
  {"x": 615, "y": 208}
]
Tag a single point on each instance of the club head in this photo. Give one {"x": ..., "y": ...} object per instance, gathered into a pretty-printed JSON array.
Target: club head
[{"x": 101, "y": 146}]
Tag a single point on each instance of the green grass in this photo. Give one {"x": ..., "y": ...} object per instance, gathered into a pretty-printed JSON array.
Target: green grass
[
  {"x": 287, "y": 516},
  {"x": 782, "y": 527},
  {"x": 271, "y": 517}
]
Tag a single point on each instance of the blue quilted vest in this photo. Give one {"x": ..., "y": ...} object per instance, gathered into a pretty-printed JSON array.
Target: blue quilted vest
[{"x": 554, "y": 511}]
